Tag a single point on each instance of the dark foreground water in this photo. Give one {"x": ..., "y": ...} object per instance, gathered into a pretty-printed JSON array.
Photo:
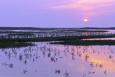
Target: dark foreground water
[{"x": 48, "y": 60}]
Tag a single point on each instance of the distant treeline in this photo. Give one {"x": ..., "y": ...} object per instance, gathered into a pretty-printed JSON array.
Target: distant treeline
[{"x": 36, "y": 28}]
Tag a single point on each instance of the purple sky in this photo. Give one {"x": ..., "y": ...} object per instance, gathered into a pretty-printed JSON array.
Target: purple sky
[{"x": 57, "y": 13}]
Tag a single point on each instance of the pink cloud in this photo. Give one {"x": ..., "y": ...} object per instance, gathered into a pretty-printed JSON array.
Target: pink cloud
[{"x": 89, "y": 7}]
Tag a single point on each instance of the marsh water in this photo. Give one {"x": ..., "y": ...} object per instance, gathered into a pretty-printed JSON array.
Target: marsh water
[{"x": 55, "y": 60}]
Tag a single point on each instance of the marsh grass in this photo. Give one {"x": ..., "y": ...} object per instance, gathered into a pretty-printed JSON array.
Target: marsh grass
[
  {"x": 13, "y": 44},
  {"x": 73, "y": 40},
  {"x": 86, "y": 42}
]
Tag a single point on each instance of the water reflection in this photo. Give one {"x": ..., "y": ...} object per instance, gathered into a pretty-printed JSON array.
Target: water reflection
[
  {"x": 48, "y": 60},
  {"x": 100, "y": 39}
]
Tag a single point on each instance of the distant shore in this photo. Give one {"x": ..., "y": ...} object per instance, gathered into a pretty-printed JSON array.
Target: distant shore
[{"x": 13, "y": 37}]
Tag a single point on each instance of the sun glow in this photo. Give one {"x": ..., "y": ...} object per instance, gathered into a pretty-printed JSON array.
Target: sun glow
[{"x": 85, "y": 20}]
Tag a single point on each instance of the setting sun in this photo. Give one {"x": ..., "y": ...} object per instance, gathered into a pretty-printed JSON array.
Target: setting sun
[{"x": 85, "y": 20}]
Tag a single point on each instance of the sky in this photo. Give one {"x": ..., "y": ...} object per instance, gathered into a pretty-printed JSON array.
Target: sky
[{"x": 57, "y": 13}]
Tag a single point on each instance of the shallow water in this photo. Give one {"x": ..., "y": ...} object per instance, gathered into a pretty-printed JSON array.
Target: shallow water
[
  {"x": 113, "y": 38},
  {"x": 50, "y": 60}
]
